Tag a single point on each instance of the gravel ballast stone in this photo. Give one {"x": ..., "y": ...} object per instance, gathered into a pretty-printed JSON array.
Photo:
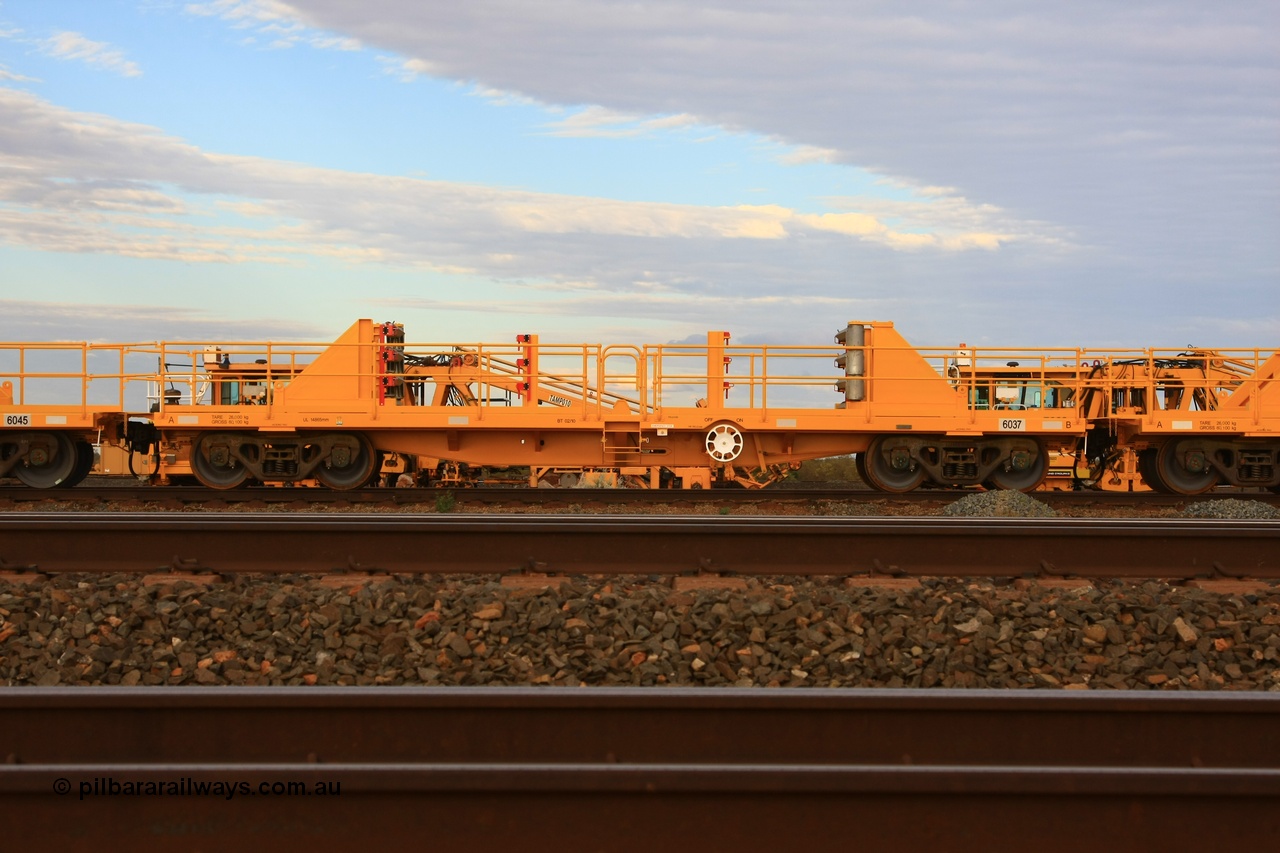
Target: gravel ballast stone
[
  {"x": 93, "y": 629},
  {"x": 1230, "y": 508},
  {"x": 998, "y": 503}
]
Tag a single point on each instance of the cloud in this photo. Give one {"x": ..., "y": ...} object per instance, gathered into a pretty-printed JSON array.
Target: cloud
[
  {"x": 335, "y": 43},
  {"x": 1150, "y": 131},
  {"x": 80, "y": 183},
  {"x": 272, "y": 20},
  {"x": 406, "y": 70},
  {"x": 802, "y": 154},
  {"x": 30, "y": 320},
  {"x": 600, "y": 122},
  {"x": 659, "y": 304},
  {"x": 948, "y": 218},
  {"x": 13, "y": 76},
  {"x": 86, "y": 183},
  {"x": 243, "y": 13},
  {"x": 642, "y": 315},
  {"x": 96, "y": 54},
  {"x": 497, "y": 97},
  {"x": 1052, "y": 174}
]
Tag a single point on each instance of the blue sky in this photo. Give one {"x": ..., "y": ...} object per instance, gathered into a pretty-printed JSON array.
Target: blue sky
[
  {"x": 601, "y": 171},
  {"x": 248, "y": 92}
]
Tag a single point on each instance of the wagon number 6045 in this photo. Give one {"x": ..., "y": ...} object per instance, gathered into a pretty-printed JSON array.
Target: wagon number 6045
[{"x": 17, "y": 420}]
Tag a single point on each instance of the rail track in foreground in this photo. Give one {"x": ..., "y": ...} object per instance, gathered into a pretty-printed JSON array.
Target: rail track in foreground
[
  {"x": 637, "y": 544},
  {"x": 122, "y": 493},
  {"x": 636, "y": 769}
]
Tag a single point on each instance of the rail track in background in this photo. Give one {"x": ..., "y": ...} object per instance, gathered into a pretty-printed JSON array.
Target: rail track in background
[
  {"x": 503, "y": 544},
  {"x": 122, "y": 493},
  {"x": 633, "y": 769}
]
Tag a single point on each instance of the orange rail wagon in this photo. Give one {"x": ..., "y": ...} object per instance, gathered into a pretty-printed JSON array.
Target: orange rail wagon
[{"x": 691, "y": 416}]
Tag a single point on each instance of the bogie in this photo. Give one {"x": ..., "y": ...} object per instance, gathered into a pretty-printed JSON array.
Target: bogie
[
  {"x": 337, "y": 460},
  {"x": 901, "y": 463}
]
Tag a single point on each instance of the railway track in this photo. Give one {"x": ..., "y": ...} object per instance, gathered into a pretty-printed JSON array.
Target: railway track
[
  {"x": 122, "y": 493},
  {"x": 621, "y": 769},
  {"x": 638, "y": 544}
]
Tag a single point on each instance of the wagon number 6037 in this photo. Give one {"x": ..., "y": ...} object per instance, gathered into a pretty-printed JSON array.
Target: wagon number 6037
[{"x": 1012, "y": 424}]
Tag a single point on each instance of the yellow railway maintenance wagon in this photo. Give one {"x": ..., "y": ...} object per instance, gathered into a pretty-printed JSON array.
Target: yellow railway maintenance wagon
[{"x": 684, "y": 415}]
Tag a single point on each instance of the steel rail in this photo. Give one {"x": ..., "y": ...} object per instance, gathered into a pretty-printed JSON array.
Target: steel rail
[
  {"x": 521, "y": 496},
  {"x": 626, "y": 769},
  {"x": 638, "y": 544},
  {"x": 523, "y": 725}
]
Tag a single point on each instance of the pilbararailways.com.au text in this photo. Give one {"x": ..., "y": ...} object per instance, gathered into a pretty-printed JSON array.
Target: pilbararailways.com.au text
[{"x": 110, "y": 786}]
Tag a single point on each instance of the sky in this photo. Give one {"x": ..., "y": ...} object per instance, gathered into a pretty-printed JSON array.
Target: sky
[{"x": 996, "y": 172}]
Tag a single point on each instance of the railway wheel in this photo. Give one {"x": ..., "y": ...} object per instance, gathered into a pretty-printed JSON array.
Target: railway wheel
[
  {"x": 1024, "y": 472},
  {"x": 215, "y": 465},
  {"x": 891, "y": 469},
  {"x": 1150, "y": 471},
  {"x": 350, "y": 465},
  {"x": 84, "y": 464},
  {"x": 50, "y": 462},
  {"x": 1184, "y": 469},
  {"x": 724, "y": 442},
  {"x": 860, "y": 465}
]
